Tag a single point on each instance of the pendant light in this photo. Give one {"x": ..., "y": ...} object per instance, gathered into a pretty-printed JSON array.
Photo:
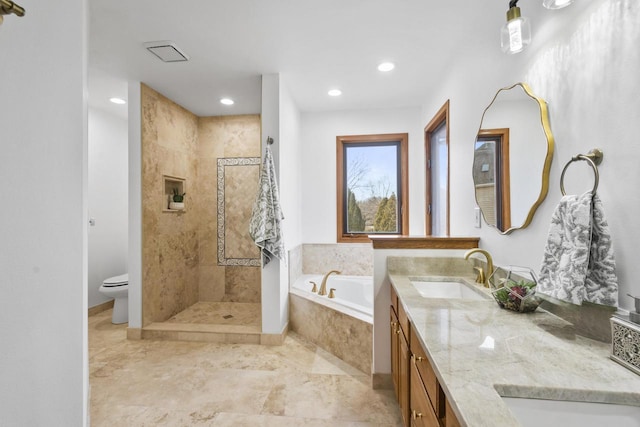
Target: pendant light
[
  {"x": 516, "y": 33},
  {"x": 556, "y": 4}
]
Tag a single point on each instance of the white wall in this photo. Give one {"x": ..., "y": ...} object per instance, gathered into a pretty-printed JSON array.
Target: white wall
[
  {"x": 290, "y": 181},
  {"x": 43, "y": 243},
  {"x": 135, "y": 205},
  {"x": 584, "y": 61},
  {"x": 108, "y": 200},
  {"x": 274, "y": 300},
  {"x": 318, "y": 138},
  {"x": 291, "y": 167}
]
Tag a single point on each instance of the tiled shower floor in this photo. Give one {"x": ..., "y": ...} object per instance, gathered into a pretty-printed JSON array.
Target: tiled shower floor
[{"x": 220, "y": 313}]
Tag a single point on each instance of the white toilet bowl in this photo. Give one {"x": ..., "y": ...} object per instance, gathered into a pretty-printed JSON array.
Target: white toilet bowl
[{"x": 117, "y": 287}]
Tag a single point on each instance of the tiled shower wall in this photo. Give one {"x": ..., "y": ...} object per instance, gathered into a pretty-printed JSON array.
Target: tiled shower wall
[
  {"x": 228, "y": 137},
  {"x": 170, "y": 246},
  {"x": 179, "y": 250}
]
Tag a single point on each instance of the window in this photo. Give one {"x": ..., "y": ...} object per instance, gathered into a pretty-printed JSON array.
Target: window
[
  {"x": 372, "y": 186},
  {"x": 437, "y": 173}
]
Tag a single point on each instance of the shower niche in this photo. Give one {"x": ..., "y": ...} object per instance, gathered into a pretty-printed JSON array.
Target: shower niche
[{"x": 173, "y": 186}]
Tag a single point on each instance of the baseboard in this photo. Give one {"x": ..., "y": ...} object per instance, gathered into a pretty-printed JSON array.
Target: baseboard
[
  {"x": 381, "y": 382},
  {"x": 275, "y": 339},
  {"x": 100, "y": 308},
  {"x": 134, "y": 333}
]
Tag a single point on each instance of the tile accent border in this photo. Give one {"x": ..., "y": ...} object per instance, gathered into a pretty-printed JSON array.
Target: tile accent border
[{"x": 222, "y": 163}]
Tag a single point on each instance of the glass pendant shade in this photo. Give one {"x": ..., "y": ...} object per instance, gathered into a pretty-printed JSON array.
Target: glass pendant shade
[
  {"x": 556, "y": 4},
  {"x": 515, "y": 35}
]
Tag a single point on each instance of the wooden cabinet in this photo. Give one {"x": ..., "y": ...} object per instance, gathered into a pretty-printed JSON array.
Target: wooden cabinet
[
  {"x": 428, "y": 377},
  {"x": 421, "y": 398},
  {"x": 422, "y": 414},
  {"x": 394, "y": 350},
  {"x": 400, "y": 355},
  {"x": 450, "y": 418}
]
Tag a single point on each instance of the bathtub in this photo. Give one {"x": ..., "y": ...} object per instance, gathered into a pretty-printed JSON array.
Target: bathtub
[
  {"x": 353, "y": 294},
  {"x": 343, "y": 325}
]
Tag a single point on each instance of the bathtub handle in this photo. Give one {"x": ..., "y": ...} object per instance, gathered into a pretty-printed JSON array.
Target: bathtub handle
[
  {"x": 315, "y": 287},
  {"x": 332, "y": 293}
]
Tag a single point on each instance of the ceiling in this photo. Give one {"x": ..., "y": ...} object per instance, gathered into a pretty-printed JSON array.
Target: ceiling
[{"x": 315, "y": 46}]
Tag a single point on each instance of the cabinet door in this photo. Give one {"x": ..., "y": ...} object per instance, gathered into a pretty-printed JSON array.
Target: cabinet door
[
  {"x": 428, "y": 376},
  {"x": 451, "y": 420},
  {"x": 403, "y": 377},
  {"x": 421, "y": 412},
  {"x": 394, "y": 350}
]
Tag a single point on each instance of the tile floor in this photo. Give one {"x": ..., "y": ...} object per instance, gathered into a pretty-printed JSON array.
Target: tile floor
[
  {"x": 171, "y": 383},
  {"x": 220, "y": 313}
]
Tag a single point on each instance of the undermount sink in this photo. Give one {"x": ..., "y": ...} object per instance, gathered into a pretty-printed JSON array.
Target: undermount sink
[
  {"x": 445, "y": 288},
  {"x": 560, "y": 413}
]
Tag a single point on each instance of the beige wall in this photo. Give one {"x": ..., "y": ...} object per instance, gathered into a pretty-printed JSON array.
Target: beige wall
[
  {"x": 180, "y": 250},
  {"x": 228, "y": 137},
  {"x": 169, "y": 240}
]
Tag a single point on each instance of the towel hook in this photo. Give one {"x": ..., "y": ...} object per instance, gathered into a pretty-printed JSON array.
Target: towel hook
[{"x": 594, "y": 158}]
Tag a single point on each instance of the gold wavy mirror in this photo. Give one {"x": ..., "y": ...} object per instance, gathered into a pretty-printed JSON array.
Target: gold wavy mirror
[{"x": 512, "y": 158}]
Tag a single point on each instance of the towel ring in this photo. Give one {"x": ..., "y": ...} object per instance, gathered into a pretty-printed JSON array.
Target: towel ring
[{"x": 594, "y": 158}]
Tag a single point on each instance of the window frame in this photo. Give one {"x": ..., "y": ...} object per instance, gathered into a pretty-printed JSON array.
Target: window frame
[
  {"x": 441, "y": 118},
  {"x": 403, "y": 184}
]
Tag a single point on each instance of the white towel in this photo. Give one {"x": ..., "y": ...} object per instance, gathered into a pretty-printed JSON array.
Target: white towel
[
  {"x": 266, "y": 217},
  {"x": 578, "y": 262}
]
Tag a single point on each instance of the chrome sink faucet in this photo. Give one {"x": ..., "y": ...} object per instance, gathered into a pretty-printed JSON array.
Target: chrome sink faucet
[
  {"x": 482, "y": 276},
  {"x": 323, "y": 285}
]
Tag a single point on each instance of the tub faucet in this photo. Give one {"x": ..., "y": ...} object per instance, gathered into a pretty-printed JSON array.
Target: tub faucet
[
  {"x": 482, "y": 277},
  {"x": 323, "y": 285}
]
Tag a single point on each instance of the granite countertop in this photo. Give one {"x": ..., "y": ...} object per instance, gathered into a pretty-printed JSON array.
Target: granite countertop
[{"x": 480, "y": 352}]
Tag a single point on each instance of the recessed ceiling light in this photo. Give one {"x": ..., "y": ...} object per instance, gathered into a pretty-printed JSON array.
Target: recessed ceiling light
[
  {"x": 118, "y": 101},
  {"x": 227, "y": 101},
  {"x": 386, "y": 66},
  {"x": 335, "y": 92}
]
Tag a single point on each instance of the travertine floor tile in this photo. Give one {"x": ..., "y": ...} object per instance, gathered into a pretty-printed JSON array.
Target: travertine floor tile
[
  {"x": 220, "y": 313},
  {"x": 170, "y": 383}
]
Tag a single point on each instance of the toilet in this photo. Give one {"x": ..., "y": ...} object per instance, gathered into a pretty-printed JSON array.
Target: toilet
[{"x": 117, "y": 287}]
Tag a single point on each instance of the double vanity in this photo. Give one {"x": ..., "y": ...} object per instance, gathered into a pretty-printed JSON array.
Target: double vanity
[{"x": 460, "y": 360}]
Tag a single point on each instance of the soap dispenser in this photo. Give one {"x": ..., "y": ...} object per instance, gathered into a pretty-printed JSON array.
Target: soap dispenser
[{"x": 634, "y": 316}]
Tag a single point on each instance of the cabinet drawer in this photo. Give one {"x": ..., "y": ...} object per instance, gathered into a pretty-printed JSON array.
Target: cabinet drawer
[
  {"x": 428, "y": 376},
  {"x": 421, "y": 412}
]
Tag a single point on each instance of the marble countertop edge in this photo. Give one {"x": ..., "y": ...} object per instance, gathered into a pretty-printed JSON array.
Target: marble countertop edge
[{"x": 542, "y": 360}]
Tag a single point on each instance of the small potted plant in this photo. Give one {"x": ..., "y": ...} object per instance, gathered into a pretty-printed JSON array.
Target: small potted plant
[
  {"x": 177, "y": 200},
  {"x": 514, "y": 288}
]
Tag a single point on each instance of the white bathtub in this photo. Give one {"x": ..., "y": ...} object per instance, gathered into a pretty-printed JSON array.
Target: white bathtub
[{"x": 354, "y": 294}]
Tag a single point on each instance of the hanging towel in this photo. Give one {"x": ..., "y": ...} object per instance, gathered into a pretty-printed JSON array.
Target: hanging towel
[
  {"x": 578, "y": 262},
  {"x": 266, "y": 217}
]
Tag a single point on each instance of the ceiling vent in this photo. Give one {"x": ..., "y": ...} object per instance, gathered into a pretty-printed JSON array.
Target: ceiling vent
[{"x": 167, "y": 51}]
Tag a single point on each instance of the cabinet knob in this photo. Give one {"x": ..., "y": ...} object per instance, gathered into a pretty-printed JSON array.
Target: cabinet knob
[{"x": 415, "y": 415}]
